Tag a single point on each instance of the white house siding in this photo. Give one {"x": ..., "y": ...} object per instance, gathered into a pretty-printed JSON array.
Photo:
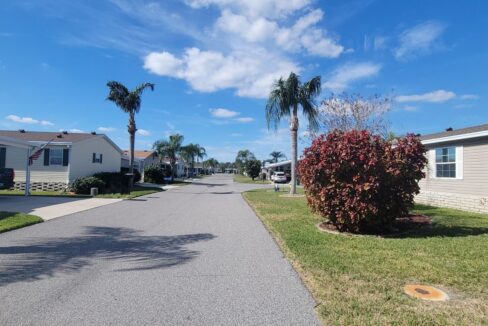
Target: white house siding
[
  {"x": 471, "y": 191},
  {"x": 81, "y": 160},
  {"x": 17, "y": 157}
]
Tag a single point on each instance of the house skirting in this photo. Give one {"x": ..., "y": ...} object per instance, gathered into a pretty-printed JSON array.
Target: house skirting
[
  {"x": 42, "y": 186},
  {"x": 478, "y": 204}
]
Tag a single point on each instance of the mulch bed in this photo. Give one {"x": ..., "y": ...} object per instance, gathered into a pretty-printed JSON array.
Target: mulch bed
[{"x": 401, "y": 225}]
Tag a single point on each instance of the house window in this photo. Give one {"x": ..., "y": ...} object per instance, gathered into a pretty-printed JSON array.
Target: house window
[
  {"x": 445, "y": 162},
  {"x": 97, "y": 158},
  {"x": 56, "y": 156}
]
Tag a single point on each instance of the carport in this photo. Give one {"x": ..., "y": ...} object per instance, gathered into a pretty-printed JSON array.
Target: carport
[{"x": 7, "y": 141}]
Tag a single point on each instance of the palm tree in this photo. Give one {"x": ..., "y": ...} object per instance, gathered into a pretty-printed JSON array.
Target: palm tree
[
  {"x": 275, "y": 156},
  {"x": 170, "y": 148},
  {"x": 129, "y": 102},
  {"x": 284, "y": 100},
  {"x": 190, "y": 152}
]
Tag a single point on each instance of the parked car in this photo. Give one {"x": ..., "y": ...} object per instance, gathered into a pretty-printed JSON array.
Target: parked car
[
  {"x": 7, "y": 177},
  {"x": 279, "y": 177}
]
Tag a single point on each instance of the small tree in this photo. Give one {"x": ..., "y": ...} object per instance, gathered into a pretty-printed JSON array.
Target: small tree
[
  {"x": 348, "y": 112},
  {"x": 243, "y": 156},
  {"x": 253, "y": 168},
  {"x": 360, "y": 182}
]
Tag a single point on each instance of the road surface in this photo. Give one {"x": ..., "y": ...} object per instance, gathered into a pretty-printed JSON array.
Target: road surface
[{"x": 195, "y": 255}]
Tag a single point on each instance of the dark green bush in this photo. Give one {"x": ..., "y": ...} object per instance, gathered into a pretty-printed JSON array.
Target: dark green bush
[
  {"x": 83, "y": 185},
  {"x": 137, "y": 174},
  {"x": 114, "y": 181},
  {"x": 154, "y": 174}
]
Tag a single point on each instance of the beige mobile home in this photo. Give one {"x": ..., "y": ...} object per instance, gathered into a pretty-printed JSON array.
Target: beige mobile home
[
  {"x": 457, "y": 173},
  {"x": 66, "y": 157}
]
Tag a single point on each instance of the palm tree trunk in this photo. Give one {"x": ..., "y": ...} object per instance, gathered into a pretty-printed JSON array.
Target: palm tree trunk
[
  {"x": 294, "y": 132},
  {"x": 132, "y": 133}
]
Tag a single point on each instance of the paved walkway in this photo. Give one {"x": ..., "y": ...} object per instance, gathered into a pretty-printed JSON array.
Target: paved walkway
[
  {"x": 196, "y": 255},
  {"x": 51, "y": 207}
]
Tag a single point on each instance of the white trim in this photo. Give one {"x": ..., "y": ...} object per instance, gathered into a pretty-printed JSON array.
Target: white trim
[
  {"x": 459, "y": 162},
  {"x": 455, "y": 137}
]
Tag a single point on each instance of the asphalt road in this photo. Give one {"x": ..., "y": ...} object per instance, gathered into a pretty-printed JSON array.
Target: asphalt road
[{"x": 196, "y": 255}]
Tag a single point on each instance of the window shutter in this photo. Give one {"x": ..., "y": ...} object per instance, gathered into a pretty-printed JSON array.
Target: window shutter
[
  {"x": 3, "y": 157},
  {"x": 94, "y": 157},
  {"x": 101, "y": 156},
  {"x": 46, "y": 156},
  {"x": 65, "y": 156}
]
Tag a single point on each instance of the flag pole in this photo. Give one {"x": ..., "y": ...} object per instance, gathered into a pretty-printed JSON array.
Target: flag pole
[{"x": 27, "y": 173}]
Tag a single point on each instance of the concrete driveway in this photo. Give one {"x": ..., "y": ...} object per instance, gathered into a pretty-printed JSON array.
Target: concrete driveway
[
  {"x": 196, "y": 255},
  {"x": 51, "y": 207}
]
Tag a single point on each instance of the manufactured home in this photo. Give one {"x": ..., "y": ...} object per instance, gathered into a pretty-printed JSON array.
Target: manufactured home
[
  {"x": 62, "y": 157},
  {"x": 457, "y": 172}
]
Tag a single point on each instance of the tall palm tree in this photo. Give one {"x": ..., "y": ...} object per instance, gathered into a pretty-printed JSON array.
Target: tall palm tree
[
  {"x": 284, "y": 101},
  {"x": 129, "y": 102},
  {"x": 275, "y": 156},
  {"x": 169, "y": 148}
]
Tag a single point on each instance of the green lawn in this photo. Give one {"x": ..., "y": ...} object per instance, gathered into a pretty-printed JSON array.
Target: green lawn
[
  {"x": 40, "y": 193},
  {"x": 136, "y": 192},
  {"x": 243, "y": 179},
  {"x": 11, "y": 221},
  {"x": 359, "y": 280}
]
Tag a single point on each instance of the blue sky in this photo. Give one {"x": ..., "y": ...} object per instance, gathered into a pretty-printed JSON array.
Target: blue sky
[{"x": 213, "y": 62}]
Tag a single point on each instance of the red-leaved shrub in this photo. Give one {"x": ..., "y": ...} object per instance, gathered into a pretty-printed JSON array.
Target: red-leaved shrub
[{"x": 359, "y": 181}]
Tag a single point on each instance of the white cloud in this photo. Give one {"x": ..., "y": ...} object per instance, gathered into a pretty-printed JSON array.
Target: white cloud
[
  {"x": 245, "y": 119},
  {"x": 254, "y": 8},
  {"x": 431, "y": 97},
  {"x": 28, "y": 120},
  {"x": 250, "y": 73},
  {"x": 106, "y": 129},
  {"x": 469, "y": 97},
  {"x": 418, "y": 40},
  {"x": 143, "y": 132},
  {"x": 301, "y": 35},
  {"x": 223, "y": 113},
  {"x": 349, "y": 73}
]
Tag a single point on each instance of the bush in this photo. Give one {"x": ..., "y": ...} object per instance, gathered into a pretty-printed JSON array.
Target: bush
[
  {"x": 154, "y": 174},
  {"x": 137, "y": 174},
  {"x": 83, "y": 185},
  {"x": 253, "y": 168},
  {"x": 360, "y": 182},
  {"x": 114, "y": 181}
]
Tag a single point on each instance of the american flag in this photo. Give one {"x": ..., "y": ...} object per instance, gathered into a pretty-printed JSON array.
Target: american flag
[
  {"x": 35, "y": 156},
  {"x": 38, "y": 153}
]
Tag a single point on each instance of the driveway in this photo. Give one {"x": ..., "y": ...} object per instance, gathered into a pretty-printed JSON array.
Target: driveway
[
  {"x": 196, "y": 255},
  {"x": 51, "y": 207}
]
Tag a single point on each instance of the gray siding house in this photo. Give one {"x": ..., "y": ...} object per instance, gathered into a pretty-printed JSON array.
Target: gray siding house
[
  {"x": 66, "y": 157},
  {"x": 457, "y": 172}
]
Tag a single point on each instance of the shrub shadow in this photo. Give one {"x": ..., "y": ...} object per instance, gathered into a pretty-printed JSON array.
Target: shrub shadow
[
  {"x": 64, "y": 255},
  {"x": 440, "y": 230}
]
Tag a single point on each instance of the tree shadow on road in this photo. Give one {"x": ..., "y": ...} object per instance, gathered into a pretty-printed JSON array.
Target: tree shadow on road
[{"x": 63, "y": 255}]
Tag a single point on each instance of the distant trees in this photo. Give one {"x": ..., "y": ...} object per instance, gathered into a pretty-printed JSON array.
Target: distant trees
[
  {"x": 348, "y": 112},
  {"x": 284, "y": 101},
  {"x": 129, "y": 102},
  {"x": 275, "y": 156},
  {"x": 192, "y": 152},
  {"x": 211, "y": 163},
  {"x": 242, "y": 157},
  {"x": 253, "y": 168},
  {"x": 169, "y": 148}
]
